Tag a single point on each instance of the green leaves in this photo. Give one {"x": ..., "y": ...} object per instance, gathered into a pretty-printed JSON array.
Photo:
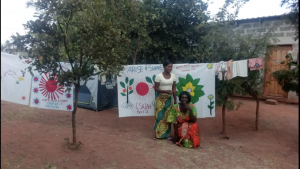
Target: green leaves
[
  {"x": 196, "y": 81},
  {"x": 77, "y": 32},
  {"x": 131, "y": 82},
  {"x": 127, "y": 88},
  {"x": 190, "y": 85},
  {"x": 288, "y": 79},
  {"x": 153, "y": 78},
  {"x": 198, "y": 87},
  {"x": 182, "y": 81},
  {"x": 168, "y": 32},
  {"x": 148, "y": 79},
  {"x": 122, "y": 84},
  {"x": 189, "y": 78}
]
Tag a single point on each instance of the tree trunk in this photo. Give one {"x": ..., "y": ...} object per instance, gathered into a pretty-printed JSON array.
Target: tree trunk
[
  {"x": 133, "y": 61},
  {"x": 223, "y": 111},
  {"x": 136, "y": 51},
  {"x": 224, "y": 120},
  {"x": 257, "y": 113},
  {"x": 74, "y": 113}
]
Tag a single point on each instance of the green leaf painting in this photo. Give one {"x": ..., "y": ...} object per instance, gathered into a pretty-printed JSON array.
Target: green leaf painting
[
  {"x": 148, "y": 79},
  {"x": 190, "y": 85},
  {"x": 131, "y": 82},
  {"x": 153, "y": 78},
  {"x": 122, "y": 84},
  {"x": 127, "y": 89}
]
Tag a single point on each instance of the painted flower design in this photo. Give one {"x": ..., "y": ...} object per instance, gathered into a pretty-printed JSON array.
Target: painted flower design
[
  {"x": 35, "y": 90},
  {"x": 20, "y": 79},
  {"x": 36, "y": 101},
  {"x": 69, "y": 107},
  {"x": 152, "y": 81},
  {"x": 210, "y": 97},
  {"x": 127, "y": 89},
  {"x": 35, "y": 79},
  {"x": 68, "y": 95},
  {"x": 211, "y": 103},
  {"x": 189, "y": 88},
  {"x": 190, "y": 85},
  {"x": 210, "y": 66}
]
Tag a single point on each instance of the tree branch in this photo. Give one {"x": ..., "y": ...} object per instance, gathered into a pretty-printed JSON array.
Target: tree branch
[
  {"x": 65, "y": 44},
  {"x": 93, "y": 55},
  {"x": 117, "y": 14},
  {"x": 137, "y": 49}
]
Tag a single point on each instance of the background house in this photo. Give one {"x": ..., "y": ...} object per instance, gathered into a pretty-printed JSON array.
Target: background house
[{"x": 285, "y": 33}]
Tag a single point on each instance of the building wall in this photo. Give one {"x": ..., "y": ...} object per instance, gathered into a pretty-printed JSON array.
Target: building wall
[{"x": 282, "y": 29}]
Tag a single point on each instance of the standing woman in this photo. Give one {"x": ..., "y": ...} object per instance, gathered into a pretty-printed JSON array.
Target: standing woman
[{"x": 165, "y": 89}]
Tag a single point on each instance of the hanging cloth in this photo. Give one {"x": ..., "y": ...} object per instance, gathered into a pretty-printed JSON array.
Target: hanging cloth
[
  {"x": 222, "y": 68},
  {"x": 229, "y": 74},
  {"x": 239, "y": 68},
  {"x": 216, "y": 66},
  {"x": 256, "y": 63}
]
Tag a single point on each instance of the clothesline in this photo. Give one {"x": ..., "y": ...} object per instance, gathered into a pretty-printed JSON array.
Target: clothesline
[{"x": 239, "y": 68}]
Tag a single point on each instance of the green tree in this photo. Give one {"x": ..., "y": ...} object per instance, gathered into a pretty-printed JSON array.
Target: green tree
[
  {"x": 223, "y": 43},
  {"x": 175, "y": 28},
  {"x": 79, "y": 32},
  {"x": 288, "y": 79},
  {"x": 130, "y": 16},
  {"x": 252, "y": 85}
]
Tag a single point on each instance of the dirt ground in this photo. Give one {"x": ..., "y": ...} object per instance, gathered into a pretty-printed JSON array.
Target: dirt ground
[{"x": 33, "y": 138}]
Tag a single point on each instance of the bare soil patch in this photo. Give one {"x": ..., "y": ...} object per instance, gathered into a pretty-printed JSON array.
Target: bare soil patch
[{"x": 33, "y": 138}]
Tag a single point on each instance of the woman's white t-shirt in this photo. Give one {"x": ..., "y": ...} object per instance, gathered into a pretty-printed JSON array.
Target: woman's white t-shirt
[{"x": 165, "y": 84}]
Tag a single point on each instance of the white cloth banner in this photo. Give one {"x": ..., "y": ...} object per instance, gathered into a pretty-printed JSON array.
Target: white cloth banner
[
  {"x": 14, "y": 86},
  {"x": 47, "y": 94},
  {"x": 199, "y": 81},
  {"x": 136, "y": 93}
]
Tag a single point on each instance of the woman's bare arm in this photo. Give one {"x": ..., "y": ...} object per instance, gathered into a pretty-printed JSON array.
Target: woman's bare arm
[
  {"x": 174, "y": 92},
  {"x": 193, "y": 118}
]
